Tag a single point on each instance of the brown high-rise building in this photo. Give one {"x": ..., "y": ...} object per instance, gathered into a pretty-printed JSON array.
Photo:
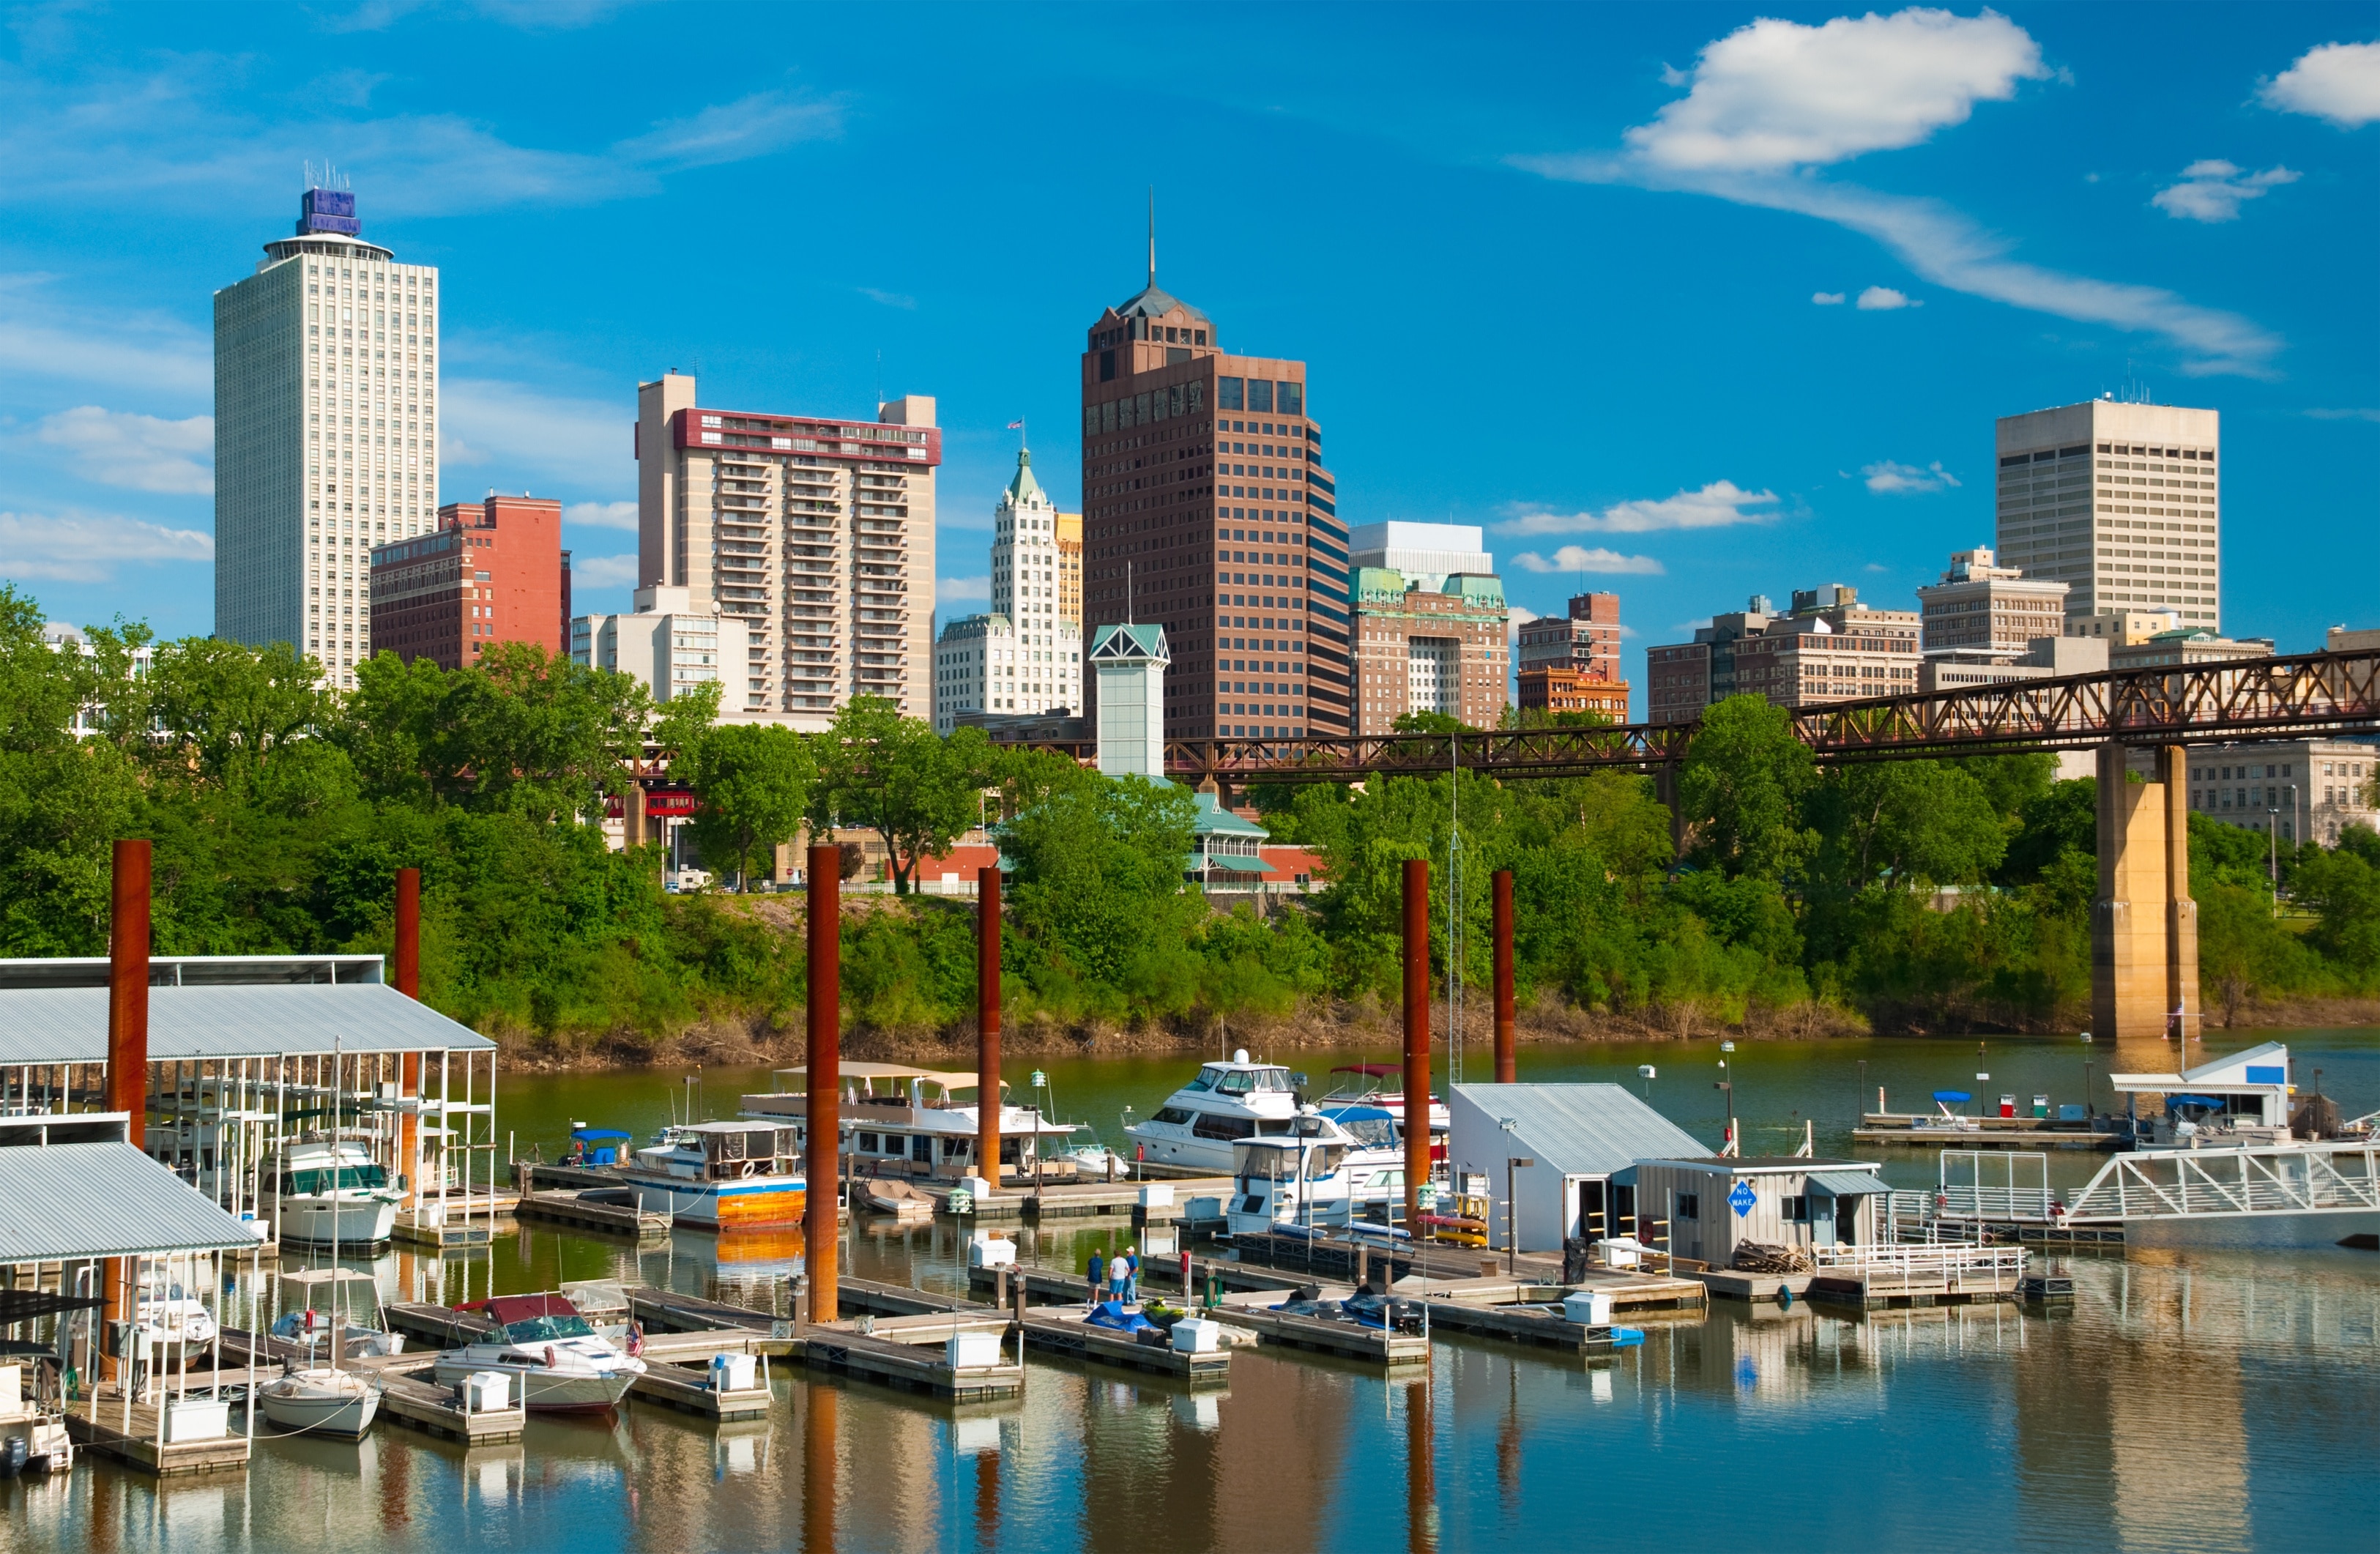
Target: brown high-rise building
[
  {"x": 491, "y": 571},
  {"x": 1586, "y": 639},
  {"x": 1207, "y": 510}
]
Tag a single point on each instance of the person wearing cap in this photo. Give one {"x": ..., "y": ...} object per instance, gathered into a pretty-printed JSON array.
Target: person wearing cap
[{"x": 1131, "y": 1274}]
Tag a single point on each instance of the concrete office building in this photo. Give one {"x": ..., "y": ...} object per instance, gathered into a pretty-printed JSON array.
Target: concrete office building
[
  {"x": 492, "y": 571},
  {"x": 978, "y": 667},
  {"x": 326, "y": 433},
  {"x": 1428, "y": 555},
  {"x": 817, "y": 533},
  {"x": 2296, "y": 790},
  {"x": 1980, "y": 609},
  {"x": 1585, "y": 639},
  {"x": 2117, "y": 500},
  {"x": 1207, "y": 509},
  {"x": 2186, "y": 646},
  {"x": 668, "y": 641},
  {"x": 1029, "y": 568},
  {"x": 1828, "y": 648}
]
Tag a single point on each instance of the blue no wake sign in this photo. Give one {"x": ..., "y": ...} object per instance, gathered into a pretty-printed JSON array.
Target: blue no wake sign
[{"x": 1741, "y": 1200}]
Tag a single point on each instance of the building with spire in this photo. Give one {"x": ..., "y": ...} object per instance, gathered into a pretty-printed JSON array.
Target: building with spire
[
  {"x": 1030, "y": 585},
  {"x": 326, "y": 433},
  {"x": 1207, "y": 511}
]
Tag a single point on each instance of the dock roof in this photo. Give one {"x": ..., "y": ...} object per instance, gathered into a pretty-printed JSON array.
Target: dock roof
[
  {"x": 69, "y": 1202},
  {"x": 1578, "y": 1129},
  {"x": 68, "y": 1024}
]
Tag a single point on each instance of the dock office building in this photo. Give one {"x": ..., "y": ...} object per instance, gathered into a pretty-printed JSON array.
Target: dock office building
[{"x": 1586, "y": 1141}]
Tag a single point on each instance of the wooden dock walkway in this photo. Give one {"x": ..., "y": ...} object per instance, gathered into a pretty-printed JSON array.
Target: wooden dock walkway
[
  {"x": 130, "y": 1433},
  {"x": 919, "y": 1363},
  {"x": 591, "y": 1211},
  {"x": 1062, "y": 1330},
  {"x": 1537, "y": 1327},
  {"x": 1319, "y": 1335}
]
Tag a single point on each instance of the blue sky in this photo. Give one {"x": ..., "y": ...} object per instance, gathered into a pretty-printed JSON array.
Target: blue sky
[{"x": 1556, "y": 270}]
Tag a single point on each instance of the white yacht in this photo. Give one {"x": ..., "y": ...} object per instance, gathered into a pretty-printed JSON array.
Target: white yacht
[
  {"x": 1298, "y": 1183},
  {"x": 912, "y": 1122},
  {"x": 1225, "y": 1103},
  {"x": 320, "y": 1400},
  {"x": 554, "y": 1358},
  {"x": 331, "y": 1190},
  {"x": 713, "y": 1177}
]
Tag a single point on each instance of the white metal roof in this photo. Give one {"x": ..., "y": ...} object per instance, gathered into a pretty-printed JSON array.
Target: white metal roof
[
  {"x": 69, "y": 1024},
  {"x": 1590, "y": 1129},
  {"x": 66, "y": 1202}
]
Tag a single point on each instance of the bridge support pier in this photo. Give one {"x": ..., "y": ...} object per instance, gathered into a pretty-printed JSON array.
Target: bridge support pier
[{"x": 2145, "y": 925}]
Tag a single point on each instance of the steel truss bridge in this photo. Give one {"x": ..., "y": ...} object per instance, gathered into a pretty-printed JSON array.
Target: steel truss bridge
[{"x": 2269, "y": 699}]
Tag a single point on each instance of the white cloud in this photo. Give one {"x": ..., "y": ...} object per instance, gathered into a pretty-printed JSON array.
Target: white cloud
[
  {"x": 738, "y": 131},
  {"x": 602, "y": 514},
  {"x": 602, "y": 572},
  {"x": 1716, "y": 505},
  {"x": 573, "y": 441},
  {"x": 2339, "y": 82},
  {"x": 1890, "y": 478},
  {"x": 963, "y": 588},
  {"x": 1779, "y": 101},
  {"x": 1774, "y": 95},
  {"x": 2359, "y": 415},
  {"x": 87, "y": 547},
  {"x": 1578, "y": 558},
  {"x": 1883, "y": 299},
  {"x": 143, "y": 452},
  {"x": 2213, "y": 190},
  {"x": 44, "y": 340},
  {"x": 1828, "y": 298}
]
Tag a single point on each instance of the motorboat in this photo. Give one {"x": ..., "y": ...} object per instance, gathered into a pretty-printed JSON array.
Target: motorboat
[
  {"x": 1223, "y": 1104},
  {"x": 320, "y": 1400},
  {"x": 1367, "y": 1091},
  {"x": 896, "y": 1196},
  {"x": 328, "y": 1190},
  {"x": 174, "y": 1327},
  {"x": 1297, "y": 1183},
  {"x": 330, "y": 1307},
  {"x": 554, "y": 1358},
  {"x": 900, "y": 1120},
  {"x": 726, "y": 1175},
  {"x": 1375, "y": 1155}
]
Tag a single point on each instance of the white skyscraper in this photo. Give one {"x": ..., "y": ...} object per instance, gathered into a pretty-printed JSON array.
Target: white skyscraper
[
  {"x": 2118, "y": 501},
  {"x": 326, "y": 433},
  {"x": 1027, "y": 574}
]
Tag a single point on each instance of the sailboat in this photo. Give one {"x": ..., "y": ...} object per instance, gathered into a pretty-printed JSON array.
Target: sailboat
[{"x": 325, "y": 1400}]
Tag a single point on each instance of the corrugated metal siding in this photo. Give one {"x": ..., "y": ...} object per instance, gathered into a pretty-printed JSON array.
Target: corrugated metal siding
[
  {"x": 69, "y": 1024},
  {"x": 1580, "y": 1130},
  {"x": 69, "y": 1201},
  {"x": 1846, "y": 1184}
]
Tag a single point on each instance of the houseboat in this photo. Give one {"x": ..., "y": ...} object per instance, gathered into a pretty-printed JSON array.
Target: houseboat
[
  {"x": 330, "y": 1190},
  {"x": 1225, "y": 1103},
  {"x": 918, "y": 1121},
  {"x": 715, "y": 1176}
]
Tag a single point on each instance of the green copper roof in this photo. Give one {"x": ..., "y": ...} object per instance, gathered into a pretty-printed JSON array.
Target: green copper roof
[
  {"x": 1216, "y": 821},
  {"x": 1024, "y": 487},
  {"x": 1129, "y": 644}
]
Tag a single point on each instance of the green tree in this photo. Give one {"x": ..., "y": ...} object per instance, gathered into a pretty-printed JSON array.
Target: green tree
[
  {"x": 754, "y": 781},
  {"x": 1098, "y": 888},
  {"x": 1913, "y": 822},
  {"x": 895, "y": 776},
  {"x": 1741, "y": 788}
]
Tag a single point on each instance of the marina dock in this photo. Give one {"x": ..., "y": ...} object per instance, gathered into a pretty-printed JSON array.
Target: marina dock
[
  {"x": 913, "y": 1353},
  {"x": 1062, "y": 1330},
  {"x": 1515, "y": 1324},
  {"x": 1080, "y": 1200},
  {"x": 141, "y": 1434},
  {"x": 1886, "y": 1276},
  {"x": 1319, "y": 1335},
  {"x": 608, "y": 1211}
]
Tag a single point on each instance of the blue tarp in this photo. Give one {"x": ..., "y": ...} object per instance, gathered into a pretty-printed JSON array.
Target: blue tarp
[
  {"x": 590, "y": 1134},
  {"x": 2191, "y": 1100},
  {"x": 1952, "y": 1096}
]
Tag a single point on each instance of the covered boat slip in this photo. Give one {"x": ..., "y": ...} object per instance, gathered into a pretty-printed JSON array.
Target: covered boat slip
[
  {"x": 900, "y": 1121},
  {"x": 249, "y": 1055},
  {"x": 95, "y": 1239}
]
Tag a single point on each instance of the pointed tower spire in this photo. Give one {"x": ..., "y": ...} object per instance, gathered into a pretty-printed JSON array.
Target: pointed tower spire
[{"x": 1152, "y": 237}]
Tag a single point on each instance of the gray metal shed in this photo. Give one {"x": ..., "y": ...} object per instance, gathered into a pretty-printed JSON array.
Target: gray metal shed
[
  {"x": 1784, "y": 1201},
  {"x": 1581, "y": 1137}
]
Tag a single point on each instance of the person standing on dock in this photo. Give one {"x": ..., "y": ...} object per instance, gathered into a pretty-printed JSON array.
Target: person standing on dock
[
  {"x": 1131, "y": 1274},
  {"x": 1098, "y": 1267},
  {"x": 1119, "y": 1279}
]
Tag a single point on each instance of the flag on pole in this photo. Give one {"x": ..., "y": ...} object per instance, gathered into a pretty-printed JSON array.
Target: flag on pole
[{"x": 1015, "y": 425}]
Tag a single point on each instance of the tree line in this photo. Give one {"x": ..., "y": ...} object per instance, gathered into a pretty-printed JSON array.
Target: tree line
[{"x": 1906, "y": 895}]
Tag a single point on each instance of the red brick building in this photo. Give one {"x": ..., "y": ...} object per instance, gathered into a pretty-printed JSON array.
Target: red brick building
[
  {"x": 1548, "y": 688},
  {"x": 492, "y": 571}
]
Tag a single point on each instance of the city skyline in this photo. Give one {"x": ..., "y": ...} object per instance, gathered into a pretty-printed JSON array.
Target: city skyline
[{"x": 1757, "y": 339}]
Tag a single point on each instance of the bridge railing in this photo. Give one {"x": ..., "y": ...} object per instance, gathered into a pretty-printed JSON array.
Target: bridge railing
[{"x": 2266, "y": 1178}]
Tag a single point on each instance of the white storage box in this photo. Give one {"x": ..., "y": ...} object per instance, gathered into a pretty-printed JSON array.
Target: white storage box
[
  {"x": 987, "y": 1250},
  {"x": 978, "y": 1189},
  {"x": 1195, "y": 1335},
  {"x": 12, "y": 1392},
  {"x": 1157, "y": 1195},
  {"x": 1588, "y": 1307},
  {"x": 189, "y": 1419},
  {"x": 732, "y": 1372},
  {"x": 484, "y": 1391},
  {"x": 969, "y": 1351}
]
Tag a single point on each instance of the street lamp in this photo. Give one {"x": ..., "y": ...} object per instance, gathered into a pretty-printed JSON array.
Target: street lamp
[
  {"x": 1728, "y": 1085},
  {"x": 2271, "y": 841},
  {"x": 1512, "y": 1163}
]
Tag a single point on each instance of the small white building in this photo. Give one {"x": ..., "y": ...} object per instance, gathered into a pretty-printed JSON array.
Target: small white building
[
  {"x": 1131, "y": 662},
  {"x": 672, "y": 647},
  {"x": 977, "y": 669},
  {"x": 1586, "y": 1140},
  {"x": 1783, "y": 1200}
]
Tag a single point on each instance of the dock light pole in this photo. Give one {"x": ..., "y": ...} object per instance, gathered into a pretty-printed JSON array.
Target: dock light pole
[
  {"x": 1416, "y": 1055},
  {"x": 987, "y": 1022},
  {"x": 822, "y": 1211},
  {"x": 1728, "y": 1085},
  {"x": 1507, "y": 1069}
]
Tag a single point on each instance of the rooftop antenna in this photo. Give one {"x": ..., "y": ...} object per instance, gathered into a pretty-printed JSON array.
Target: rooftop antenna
[
  {"x": 1127, "y": 590},
  {"x": 1152, "y": 237}
]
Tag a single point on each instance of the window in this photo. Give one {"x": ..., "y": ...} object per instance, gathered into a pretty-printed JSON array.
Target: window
[
  {"x": 1293, "y": 399},
  {"x": 1795, "y": 1208},
  {"x": 1231, "y": 394},
  {"x": 1690, "y": 1205},
  {"x": 1259, "y": 394}
]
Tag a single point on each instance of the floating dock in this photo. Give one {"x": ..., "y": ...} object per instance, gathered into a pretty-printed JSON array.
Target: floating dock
[
  {"x": 1078, "y": 1201},
  {"x": 130, "y": 1434},
  {"x": 1511, "y": 1324},
  {"x": 610, "y": 1211},
  {"x": 1921, "y": 1131},
  {"x": 1063, "y": 1332},
  {"x": 1886, "y": 1276},
  {"x": 910, "y": 1353},
  {"x": 688, "y": 1389},
  {"x": 1320, "y": 1335}
]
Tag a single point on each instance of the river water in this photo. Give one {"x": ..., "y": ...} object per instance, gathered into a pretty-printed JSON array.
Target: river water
[{"x": 2213, "y": 1392}]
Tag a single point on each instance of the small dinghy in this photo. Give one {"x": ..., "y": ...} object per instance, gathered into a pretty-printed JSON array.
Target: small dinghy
[{"x": 890, "y": 1195}]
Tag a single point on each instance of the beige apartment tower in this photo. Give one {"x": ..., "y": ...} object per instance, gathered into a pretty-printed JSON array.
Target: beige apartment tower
[
  {"x": 817, "y": 533},
  {"x": 2118, "y": 501}
]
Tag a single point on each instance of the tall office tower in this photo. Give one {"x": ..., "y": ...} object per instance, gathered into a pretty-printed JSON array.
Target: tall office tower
[
  {"x": 2118, "y": 503},
  {"x": 492, "y": 572},
  {"x": 818, "y": 534},
  {"x": 1207, "y": 510},
  {"x": 1027, "y": 588},
  {"x": 1586, "y": 640},
  {"x": 326, "y": 433}
]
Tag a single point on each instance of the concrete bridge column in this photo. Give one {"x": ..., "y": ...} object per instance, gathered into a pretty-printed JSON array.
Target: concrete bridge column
[{"x": 2144, "y": 926}]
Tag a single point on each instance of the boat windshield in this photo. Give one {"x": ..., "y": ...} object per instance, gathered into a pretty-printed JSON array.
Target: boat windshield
[
  {"x": 545, "y": 1330},
  {"x": 303, "y": 1181},
  {"x": 1206, "y": 1080},
  {"x": 1376, "y": 1133},
  {"x": 1240, "y": 1082}
]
